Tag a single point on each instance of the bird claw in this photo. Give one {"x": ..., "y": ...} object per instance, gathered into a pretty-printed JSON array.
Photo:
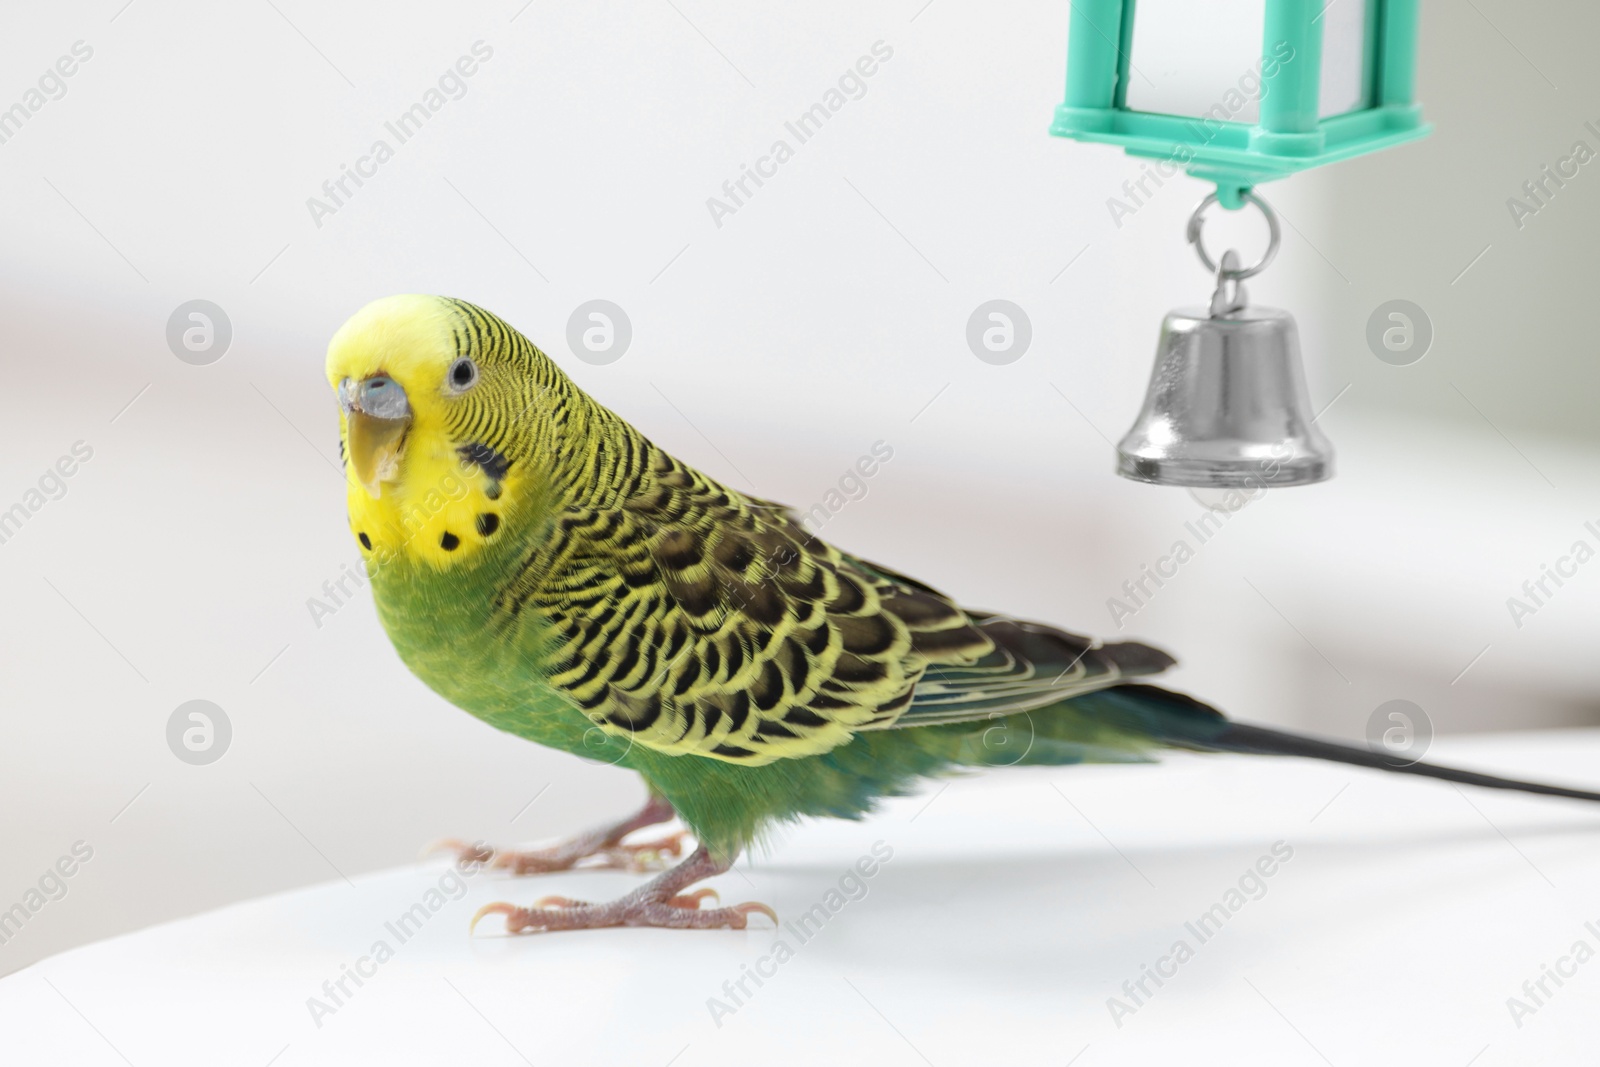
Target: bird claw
[
  {"x": 752, "y": 907},
  {"x": 498, "y": 908},
  {"x": 692, "y": 900}
]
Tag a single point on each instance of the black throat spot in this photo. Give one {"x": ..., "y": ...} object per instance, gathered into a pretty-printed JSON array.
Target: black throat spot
[{"x": 486, "y": 459}]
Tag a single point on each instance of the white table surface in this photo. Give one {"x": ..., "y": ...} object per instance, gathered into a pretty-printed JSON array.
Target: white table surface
[{"x": 1015, "y": 904}]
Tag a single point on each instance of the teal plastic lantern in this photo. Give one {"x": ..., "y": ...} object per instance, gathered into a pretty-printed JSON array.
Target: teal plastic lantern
[{"x": 1240, "y": 92}]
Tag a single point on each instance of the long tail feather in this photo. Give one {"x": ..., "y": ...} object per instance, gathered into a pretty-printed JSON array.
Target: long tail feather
[
  {"x": 1133, "y": 722},
  {"x": 1260, "y": 740},
  {"x": 1184, "y": 722}
]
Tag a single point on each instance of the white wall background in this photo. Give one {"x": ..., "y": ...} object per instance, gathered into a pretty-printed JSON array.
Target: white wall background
[{"x": 827, "y": 314}]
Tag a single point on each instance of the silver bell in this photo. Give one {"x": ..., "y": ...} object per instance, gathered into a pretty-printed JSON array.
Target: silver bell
[{"x": 1227, "y": 405}]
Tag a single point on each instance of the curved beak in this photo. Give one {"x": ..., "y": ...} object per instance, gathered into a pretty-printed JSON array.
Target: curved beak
[{"x": 377, "y": 416}]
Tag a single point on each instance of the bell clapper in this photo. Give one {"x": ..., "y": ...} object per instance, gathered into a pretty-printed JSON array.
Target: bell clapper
[{"x": 1224, "y": 302}]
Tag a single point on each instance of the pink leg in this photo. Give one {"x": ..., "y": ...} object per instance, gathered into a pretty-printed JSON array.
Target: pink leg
[
  {"x": 659, "y": 902},
  {"x": 604, "y": 843}
]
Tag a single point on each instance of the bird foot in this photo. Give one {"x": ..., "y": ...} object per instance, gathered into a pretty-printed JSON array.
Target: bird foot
[
  {"x": 683, "y": 900},
  {"x": 587, "y": 851},
  {"x": 657, "y": 903},
  {"x": 604, "y": 847}
]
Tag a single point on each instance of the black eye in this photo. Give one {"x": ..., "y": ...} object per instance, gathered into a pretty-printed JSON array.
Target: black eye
[{"x": 463, "y": 375}]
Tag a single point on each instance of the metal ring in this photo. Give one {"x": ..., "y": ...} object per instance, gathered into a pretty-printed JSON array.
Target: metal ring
[{"x": 1197, "y": 221}]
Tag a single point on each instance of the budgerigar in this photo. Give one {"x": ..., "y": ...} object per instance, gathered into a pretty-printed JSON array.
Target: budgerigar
[{"x": 539, "y": 563}]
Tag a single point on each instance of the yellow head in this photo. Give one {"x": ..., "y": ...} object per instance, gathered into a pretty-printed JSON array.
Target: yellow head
[{"x": 441, "y": 410}]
